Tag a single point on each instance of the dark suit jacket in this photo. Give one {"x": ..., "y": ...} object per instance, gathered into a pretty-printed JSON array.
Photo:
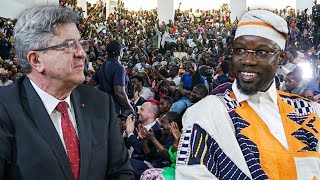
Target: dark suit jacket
[
  {"x": 31, "y": 148},
  {"x": 140, "y": 101},
  {"x": 134, "y": 142}
]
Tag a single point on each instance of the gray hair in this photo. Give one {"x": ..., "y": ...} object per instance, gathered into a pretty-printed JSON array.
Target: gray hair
[
  {"x": 154, "y": 109},
  {"x": 36, "y": 27}
]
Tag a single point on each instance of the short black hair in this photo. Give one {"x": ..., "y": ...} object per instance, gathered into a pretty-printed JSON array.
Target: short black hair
[
  {"x": 139, "y": 78},
  {"x": 203, "y": 89},
  {"x": 175, "y": 67},
  {"x": 131, "y": 90},
  {"x": 168, "y": 99},
  {"x": 114, "y": 49},
  {"x": 225, "y": 66},
  {"x": 174, "y": 117},
  {"x": 294, "y": 76}
]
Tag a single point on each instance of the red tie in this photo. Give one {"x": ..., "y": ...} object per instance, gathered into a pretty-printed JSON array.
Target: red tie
[{"x": 70, "y": 139}]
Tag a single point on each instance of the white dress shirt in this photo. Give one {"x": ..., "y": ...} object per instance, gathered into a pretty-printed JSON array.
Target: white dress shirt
[
  {"x": 176, "y": 80},
  {"x": 265, "y": 104},
  {"x": 50, "y": 103},
  {"x": 146, "y": 93},
  {"x": 211, "y": 114},
  {"x": 149, "y": 126}
]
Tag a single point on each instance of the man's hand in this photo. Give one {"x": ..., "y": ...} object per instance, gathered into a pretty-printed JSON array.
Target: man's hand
[
  {"x": 148, "y": 134},
  {"x": 130, "y": 124}
]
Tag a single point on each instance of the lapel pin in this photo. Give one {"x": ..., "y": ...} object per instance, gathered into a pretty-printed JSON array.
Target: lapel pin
[{"x": 82, "y": 105}]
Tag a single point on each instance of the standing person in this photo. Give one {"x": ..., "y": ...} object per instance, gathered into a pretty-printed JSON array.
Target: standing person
[
  {"x": 112, "y": 77},
  {"x": 52, "y": 126},
  {"x": 249, "y": 130},
  {"x": 5, "y": 47}
]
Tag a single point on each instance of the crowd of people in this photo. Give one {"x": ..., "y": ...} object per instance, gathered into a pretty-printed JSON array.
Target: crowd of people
[{"x": 154, "y": 72}]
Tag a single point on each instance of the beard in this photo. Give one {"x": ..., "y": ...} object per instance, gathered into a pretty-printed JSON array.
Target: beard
[{"x": 248, "y": 89}]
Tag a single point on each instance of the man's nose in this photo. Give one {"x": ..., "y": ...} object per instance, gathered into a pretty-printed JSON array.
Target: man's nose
[{"x": 249, "y": 58}]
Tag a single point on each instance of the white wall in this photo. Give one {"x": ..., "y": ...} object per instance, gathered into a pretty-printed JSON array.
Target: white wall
[
  {"x": 301, "y": 5},
  {"x": 272, "y": 4},
  {"x": 165, "y": 11},
  {"x": 237, "y": 9},
  {"x": 83, "y": 5},
  {"x": 199, "y": 4},
  {"x": 186, "y": 4},
  {"x": 13, "y": 8}
]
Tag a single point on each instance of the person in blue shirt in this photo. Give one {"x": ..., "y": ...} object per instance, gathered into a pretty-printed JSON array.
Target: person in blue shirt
[
  {"x": 187, "y": 82},
  {"x": 112, "y": 78}
]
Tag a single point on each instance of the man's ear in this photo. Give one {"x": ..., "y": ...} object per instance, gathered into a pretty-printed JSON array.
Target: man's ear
[{"x": 34, "y": 61}]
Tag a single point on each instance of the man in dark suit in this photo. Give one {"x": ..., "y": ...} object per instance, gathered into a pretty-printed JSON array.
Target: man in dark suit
[
  {"x": 147, "y": 115},
  {"x": 136, "y": 100},
  {"x": 51, "y": 126}
]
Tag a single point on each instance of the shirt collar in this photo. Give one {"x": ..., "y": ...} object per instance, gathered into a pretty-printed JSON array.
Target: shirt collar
[
  {"x": 149, "y": 126},
  {"x": 271, "y": 93},
  {"x": 135, "y": 102},
  {"x": 50, "y": 102}
]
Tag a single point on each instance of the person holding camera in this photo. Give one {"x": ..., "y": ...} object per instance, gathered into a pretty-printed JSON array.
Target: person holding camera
[{"x": 147, "y": 121}]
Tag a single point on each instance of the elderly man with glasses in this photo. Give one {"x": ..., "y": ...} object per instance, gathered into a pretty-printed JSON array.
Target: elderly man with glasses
[
  {"x": 52, "y": 126},
  {"x": 248, "y": 129}
]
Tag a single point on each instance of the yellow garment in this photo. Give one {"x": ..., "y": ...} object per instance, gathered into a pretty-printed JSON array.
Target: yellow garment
[
  {"x": 229, "y": 24},
  {"x": 181, "y": 71},
  {"x": 271, "y": 151}
]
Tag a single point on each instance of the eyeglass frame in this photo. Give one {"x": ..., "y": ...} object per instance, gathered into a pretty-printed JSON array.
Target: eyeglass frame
[
  {"x": 65, "y": 45},
  {"x": 247, "y": 51}
]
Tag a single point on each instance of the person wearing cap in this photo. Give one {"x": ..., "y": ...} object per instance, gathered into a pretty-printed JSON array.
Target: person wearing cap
[
  {"x": 248, "y": 129},
  {"x": 122, "y": 121},
  {"x": 112, "y": 78}
]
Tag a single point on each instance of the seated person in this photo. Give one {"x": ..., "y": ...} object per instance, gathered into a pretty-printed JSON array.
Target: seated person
[
  {"x": 292, "y": 81},
  {"x": 165, "y": 105},
  {"x": 222, "y": 71},
  {"x": 144, "y": 92},
  {"x": 171, "y": 125},
  {"x": 122, "y": 121},
  {"x": 135, "y": 100},
  {"x": 147, "y": 115},
  {"x": 187, "y": 82},
  {"x": 199, "y": 91}
]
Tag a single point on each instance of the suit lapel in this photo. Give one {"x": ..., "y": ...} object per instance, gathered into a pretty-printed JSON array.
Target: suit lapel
[
  {"x": 84, "y": 133},
  {"x": 38, "y": 113}
]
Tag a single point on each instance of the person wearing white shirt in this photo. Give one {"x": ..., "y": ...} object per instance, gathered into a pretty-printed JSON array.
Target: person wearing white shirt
[
  {"x": 248, "y": 129},
  {"x": 52, "y": 125},
  {"x": 147, "y": 115},
  {"x": 174, "y": 79}
]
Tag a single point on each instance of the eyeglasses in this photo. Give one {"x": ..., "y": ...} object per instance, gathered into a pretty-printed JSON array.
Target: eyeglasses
[
  {"x": 289, "y": 80},
  {"x": 72, "y": 46},
  {"x": 259, "y": 54}
]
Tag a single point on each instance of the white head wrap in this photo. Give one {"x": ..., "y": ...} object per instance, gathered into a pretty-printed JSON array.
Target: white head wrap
[{"x": 265, "y": 24}]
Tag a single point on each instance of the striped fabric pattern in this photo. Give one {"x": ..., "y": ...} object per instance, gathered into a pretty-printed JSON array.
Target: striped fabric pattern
[
  {"x": 303, "y": 110},
  {"x": 303, "y": 107},
  {"x": 205, "y": 150},
  {"x": 248, "y": 148},
  {"x": 184, "y": 147}
]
